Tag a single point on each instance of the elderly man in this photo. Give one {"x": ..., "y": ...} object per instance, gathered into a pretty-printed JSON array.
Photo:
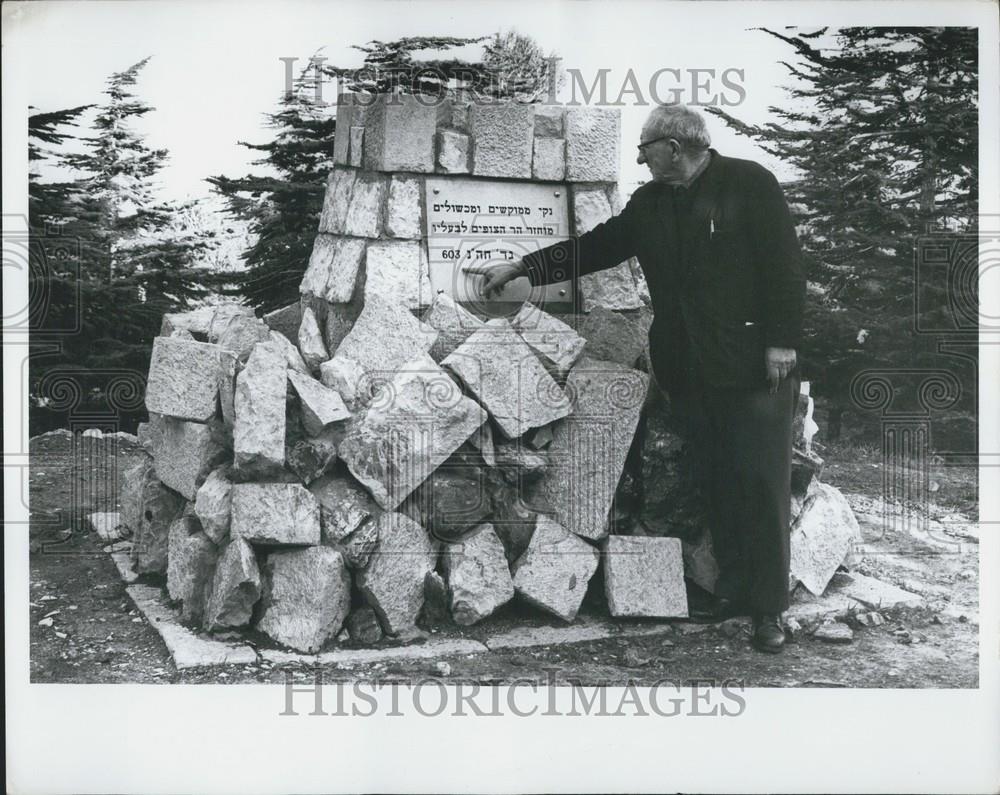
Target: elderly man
[{"x": 717, "y": 245}]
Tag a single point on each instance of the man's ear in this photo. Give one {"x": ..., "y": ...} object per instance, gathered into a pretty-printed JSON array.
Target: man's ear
[{"x": 675, "y": 147}]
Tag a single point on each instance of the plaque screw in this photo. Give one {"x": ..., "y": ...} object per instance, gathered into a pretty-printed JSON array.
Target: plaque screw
[
  {"x": 437, "y": 191},
  {"x": 555, "y": 192},
  {"x": 561, "y": 292}
]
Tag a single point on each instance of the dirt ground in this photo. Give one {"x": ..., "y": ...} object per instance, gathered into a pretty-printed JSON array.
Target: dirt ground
[{"x": 85, "y": 629}]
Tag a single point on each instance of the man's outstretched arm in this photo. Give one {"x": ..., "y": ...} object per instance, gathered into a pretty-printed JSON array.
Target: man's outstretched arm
[{"x": 602, "y": 247}]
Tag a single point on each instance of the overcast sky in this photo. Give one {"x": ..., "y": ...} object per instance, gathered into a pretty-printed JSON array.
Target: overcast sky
[{"x": 216, "y": 66}]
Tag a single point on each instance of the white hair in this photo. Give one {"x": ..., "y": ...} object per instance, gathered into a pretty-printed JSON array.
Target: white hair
[{"x": 679, "y": 122}]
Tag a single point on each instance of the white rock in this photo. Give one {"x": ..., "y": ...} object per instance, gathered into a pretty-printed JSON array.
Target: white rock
[
  {"x": 384, "y": 337},
  {"x": 414, "y": 423},
  {"x": 292, "y": 356},
  {"x": 311, "y": 340},
  {"x": 320, "y": 404},
  {"x": 554, "y": 571},
  {"x": 274, "y": 513},
  {"x": 589, "y": 448},
  {"x": 108, "y": 526},
  {"x": 307, "y": 596},
  {"x": 552, "y": 339},
  {"x": 393, "y": 581},
  {"x": 183, "y": 379},
  {"x": 454, "y": 322},
  {"x": 339, "y": 186},
  {"x": 344, "y": 375},
  {"x": 402, "y": 218},
  {"x": 185, "y": 453},
  {"x": 364, "y": 216},
  {"x": 821, "y": 538},
  {"x": 236, "y": 587},
  {"x": 333, "y": 268},
  {"x": 259, "y": 430},
  {"x": 190, "y": 567},
  {"x": 397, "y": 271},
  {"x": 478, "y": 577},
  {"x": 644, "y": 577},
  {"x": 213, "y": 504},
  {"x": 500, "y": 369}
]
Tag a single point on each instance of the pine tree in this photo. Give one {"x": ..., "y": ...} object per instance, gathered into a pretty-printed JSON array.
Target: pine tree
[
  {"x": 282, "y": 211},
  {"x": 120, "y": 271},
  {"x": 883, "y": 128}
]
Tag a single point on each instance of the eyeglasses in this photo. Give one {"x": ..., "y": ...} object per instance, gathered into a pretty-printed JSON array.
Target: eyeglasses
[{"x": 642, "y": 147}]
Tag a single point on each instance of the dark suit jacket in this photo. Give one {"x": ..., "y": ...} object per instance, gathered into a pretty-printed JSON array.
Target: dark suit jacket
[{"x": 736, "y": 290}]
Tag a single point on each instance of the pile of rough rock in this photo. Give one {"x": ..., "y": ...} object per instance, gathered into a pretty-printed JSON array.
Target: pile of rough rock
[{"x": 440, "y": 458}]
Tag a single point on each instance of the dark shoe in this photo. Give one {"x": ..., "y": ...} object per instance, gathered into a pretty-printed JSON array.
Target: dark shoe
[
  {"x": 768, "y": 633},
  {"x": 718, "y": 609}
]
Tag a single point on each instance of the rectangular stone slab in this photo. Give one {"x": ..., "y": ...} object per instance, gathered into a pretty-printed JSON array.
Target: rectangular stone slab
[
  {"x": 274, "y": 513},
  {"x": 383, "y": 338},
  {"x": 259, "y": 429},
  {"x": 588, "y": 449},
  {"x": 414, "y": 423},
  {"x": 644, "y": 577},
  {"x": 554, "y": 570},
  {"x": 307, "y": 596},
  {"x": 183, "y": 379},
  {"x": 185, "y": 453},
  {"x": 501, "y": 370}
]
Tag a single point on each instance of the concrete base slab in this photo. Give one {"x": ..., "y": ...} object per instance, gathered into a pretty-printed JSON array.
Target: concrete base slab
[
  {"x": 422, "y": 651},
  {"x": 187, "y": 649},
  {"x": 526, "y": 637}
]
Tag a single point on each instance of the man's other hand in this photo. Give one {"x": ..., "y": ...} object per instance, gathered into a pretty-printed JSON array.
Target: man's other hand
[
  {"x": 497, "y": 275},
  {"x": 779, "y": 363}
]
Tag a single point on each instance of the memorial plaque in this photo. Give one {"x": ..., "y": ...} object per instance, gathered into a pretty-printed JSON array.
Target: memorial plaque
[{"x": 488, "y": 221}]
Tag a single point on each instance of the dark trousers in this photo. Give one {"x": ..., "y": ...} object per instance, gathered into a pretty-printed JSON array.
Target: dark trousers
[{"x": 742, "y": 446}]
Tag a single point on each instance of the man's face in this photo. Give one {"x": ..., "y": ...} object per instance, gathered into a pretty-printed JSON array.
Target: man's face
[{"x": 661, "y": 156}]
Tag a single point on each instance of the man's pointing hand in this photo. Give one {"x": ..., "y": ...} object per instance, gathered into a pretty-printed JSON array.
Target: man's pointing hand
[{"x": 497, "y": 275}]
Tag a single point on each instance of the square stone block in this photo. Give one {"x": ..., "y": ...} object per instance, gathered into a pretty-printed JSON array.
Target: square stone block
[
  {"x": 399, "y": 134},
  {"x": 645, "y": 577},
  {"x": 593, "y": 144},
  {"x": 183, "y": 379},
  {"x": 502, "y": 140},
  {"x": 397, "y": 271}
]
